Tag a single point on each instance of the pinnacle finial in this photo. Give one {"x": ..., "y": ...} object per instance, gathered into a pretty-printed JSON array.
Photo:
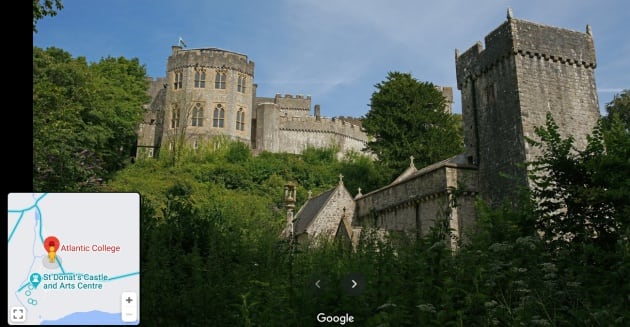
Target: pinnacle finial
[
  {"x": 359, "y": 189},
  {"x": 589, "y": 31},
  {"x": 310, "y": 194},
  {"x": 340, "y": 179},
  {"x": 411, "y": 162},
  {"x": 509, "y": 13}
]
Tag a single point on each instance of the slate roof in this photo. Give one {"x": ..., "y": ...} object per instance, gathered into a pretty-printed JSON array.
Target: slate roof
[{"x": 309, "y": 211}]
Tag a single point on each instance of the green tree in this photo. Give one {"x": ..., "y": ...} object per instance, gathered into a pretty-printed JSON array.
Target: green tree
[
  {"x": 619, "y": 106},
  {"x": 43, "y": 8},
  {"x": 85, "y": 118},
  {"x": 119, "y": 94},
  {"x": 581, "y": 195},
  {"x": 407, "y": 118}
]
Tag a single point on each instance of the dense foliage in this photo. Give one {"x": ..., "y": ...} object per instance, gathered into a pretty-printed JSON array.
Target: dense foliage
[
  {"x": 221, "y": 212},
  {"x": 407, "y": 118},
  {"x": 85, "y": 118}
]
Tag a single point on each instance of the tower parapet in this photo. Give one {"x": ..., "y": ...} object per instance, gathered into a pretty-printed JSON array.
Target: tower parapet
[
  {"x": 296, "y": 106},
  {"x": 447, "y": 92},
  {"x": 527, "y": 39},
  {"x": 209, "y": 58}
]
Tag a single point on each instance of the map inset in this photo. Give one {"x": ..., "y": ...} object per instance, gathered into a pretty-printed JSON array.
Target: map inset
[{"x": 73, "y": 259}]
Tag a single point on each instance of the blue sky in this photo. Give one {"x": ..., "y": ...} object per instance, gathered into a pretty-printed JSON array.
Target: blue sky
[{"x": 333, "y": 50}]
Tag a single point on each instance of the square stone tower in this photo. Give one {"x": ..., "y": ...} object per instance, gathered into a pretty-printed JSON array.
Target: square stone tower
[{"x": 525, "y": 71}]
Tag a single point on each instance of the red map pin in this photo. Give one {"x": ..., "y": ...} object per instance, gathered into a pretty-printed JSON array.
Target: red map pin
[{"x": 51, "y": 241}]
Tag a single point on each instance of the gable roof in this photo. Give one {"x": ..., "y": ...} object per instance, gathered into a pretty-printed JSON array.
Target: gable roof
[
  {"x": 457, "y": 161},
  {"x": 408, "y": 172},
  {"x": 309, "y": 211}
]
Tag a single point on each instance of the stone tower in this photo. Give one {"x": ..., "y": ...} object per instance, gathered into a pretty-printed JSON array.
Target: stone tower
[
  {"x": 525, "y": 71},
  {"x": 209, "y": 92}
]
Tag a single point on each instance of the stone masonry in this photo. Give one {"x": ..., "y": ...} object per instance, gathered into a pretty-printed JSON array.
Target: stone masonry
[
  {"x": 525, "y": 71},
  {"x": 209, "y": 92}
]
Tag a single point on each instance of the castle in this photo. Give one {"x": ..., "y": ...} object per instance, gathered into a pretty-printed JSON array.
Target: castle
[
  {"x": 525, "y": 71},
  {"x": 209, "y": 92}
]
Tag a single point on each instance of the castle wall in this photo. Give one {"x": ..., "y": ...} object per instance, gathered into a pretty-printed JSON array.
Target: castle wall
[
  {"x": 278, "y": 131},
  {"x": 508, "y": 87},
  {"x": 297, "y": 133},
  {"x": 210, "y": 58},
  {"x": 447, "y": 92},
  {"x": 280, "y": 124},
  {"x": 232, "y": 99},
  {"x": 556, "y": 72},
  {"x": 413, "y": 204},
  {"x": 267, "y": 133},
  {"x": 151, "y": 128},
  {"x": 294, "y": 106}
]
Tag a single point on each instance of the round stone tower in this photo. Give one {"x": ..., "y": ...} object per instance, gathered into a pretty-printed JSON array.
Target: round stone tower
[{"x": 209, "y": 92}]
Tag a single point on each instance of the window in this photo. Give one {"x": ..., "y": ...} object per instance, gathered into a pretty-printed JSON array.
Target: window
[
  {"x": 200, "y": 79},
  {"x": 241, "y": 84},
  {"x": 179, "y": 77},
  {"x": 219, "y": 80},
  {"x": 195, "y": 144},
  {"x": 150, "y": 153},
  {"x": 490, "y": 94},
  {"x": 218, "y": 116},
  {"x": 240, "y": 120},
  {"x": 197, "y": 115},
  {"x": 175, "y": 117}
]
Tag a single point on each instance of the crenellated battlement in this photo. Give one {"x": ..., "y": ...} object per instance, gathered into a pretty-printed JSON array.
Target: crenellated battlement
[
  {"x": 291, "y": 96},
  {"x": 209, "y": 58},
  {"x": 294, "y": 105},
  {"x": 526, "y": 39},
  {"x": 323, "y": 125}
]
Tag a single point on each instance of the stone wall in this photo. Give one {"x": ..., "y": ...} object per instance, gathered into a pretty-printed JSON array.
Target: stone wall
[
  {"x": 280, "y": 132},
  {"x": 210, "y": 58},
  {"x": 151, "y": 128},
  {"x": 327, "y": 220},
  {"x": 556, "y": 73},
  {"x": 525, "y": 71},
  {"x": 293, "y": 106},
  {"x": 231, "y": 99},
  {"x": 413, "y": 204}
]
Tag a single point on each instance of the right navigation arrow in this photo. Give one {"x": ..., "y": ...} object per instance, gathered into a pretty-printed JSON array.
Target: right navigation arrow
[{"x": 354, "y": 284}]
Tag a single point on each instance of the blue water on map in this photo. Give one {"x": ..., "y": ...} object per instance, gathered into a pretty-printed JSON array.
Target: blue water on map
[{"x": 90, "y": 318}]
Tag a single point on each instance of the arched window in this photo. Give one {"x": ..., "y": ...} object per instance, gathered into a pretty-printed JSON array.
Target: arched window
[
  {"x": 197, "y": 115},
  {"x": 218, "y": 116},
  {"x": 240, "y": 120},
  {"x": 175, "y": 117},
  {"x": 241, "y": 84},
  {"x": 219, "y": 80},
  {"x": 200, "y": 79},
  {"x": 179, "y": 77}
]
